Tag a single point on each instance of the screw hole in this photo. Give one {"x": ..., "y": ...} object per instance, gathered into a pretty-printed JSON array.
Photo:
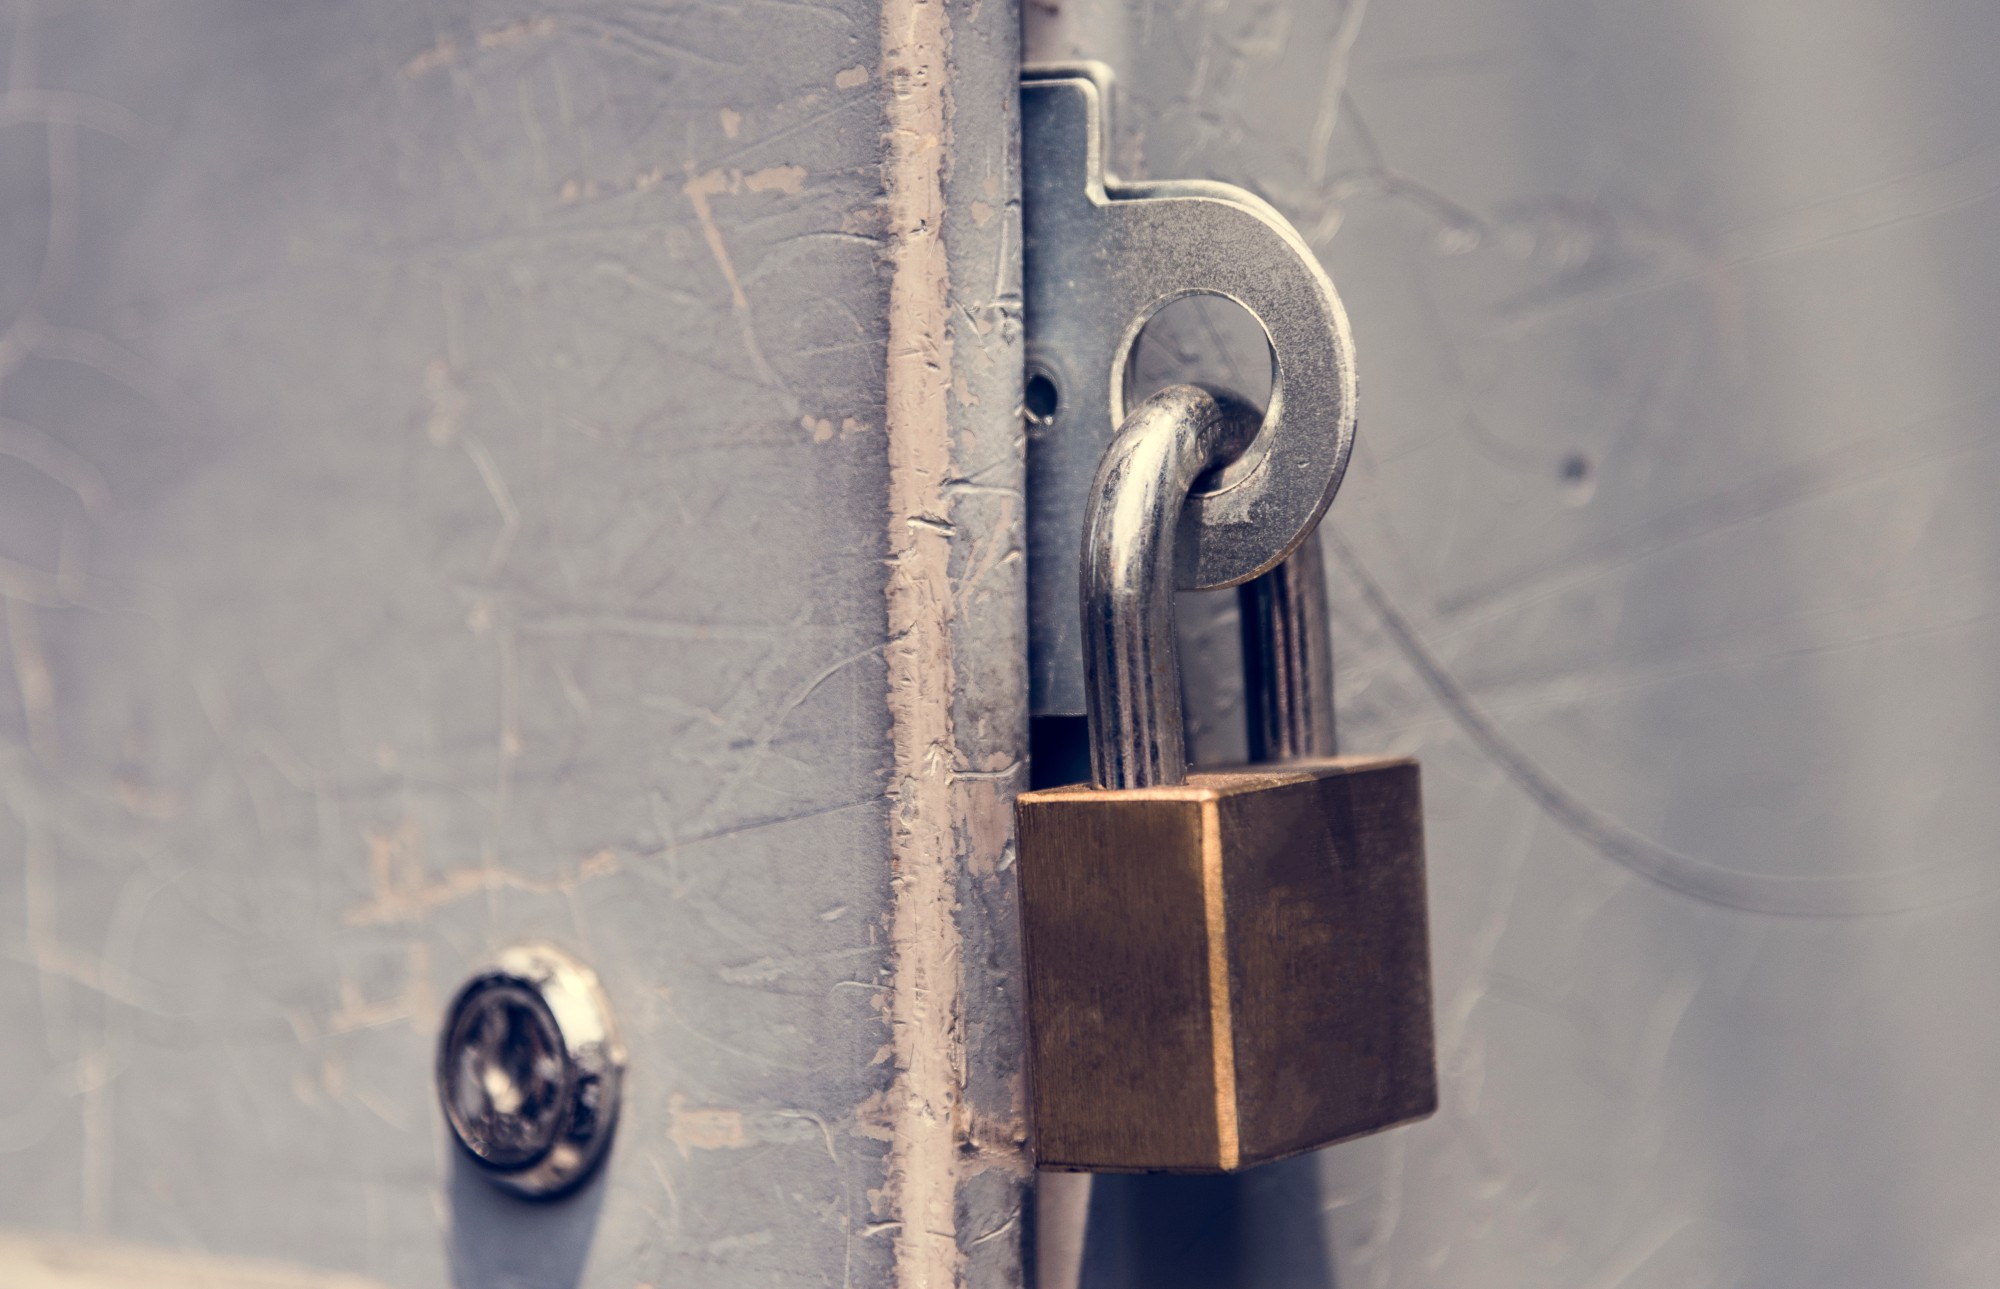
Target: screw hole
[
  {"x": 1578, "y": 475},
  {"x": 1040, "y": 398}
]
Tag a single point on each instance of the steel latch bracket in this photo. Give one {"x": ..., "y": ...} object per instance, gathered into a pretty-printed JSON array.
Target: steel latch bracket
[{"x": 1101, "y": 258}]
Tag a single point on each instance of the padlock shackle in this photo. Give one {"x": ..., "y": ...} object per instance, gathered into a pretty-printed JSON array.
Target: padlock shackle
[
  {"x": 1288, "y": 659},
  {"x": 1131, "y": 662}
]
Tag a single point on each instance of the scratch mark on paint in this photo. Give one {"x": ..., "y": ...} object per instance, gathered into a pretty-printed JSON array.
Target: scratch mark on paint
[
  {"x": 442, "y": 53},
  {"x": 701, "y": 191},
  {"x": 414, "y": 1004},
  {"x": 1899, "y": 890},
  {"x": 514, "y": 33},
  {"x": 1334, "y": 89},
  {"x": 32, "y": 678}
]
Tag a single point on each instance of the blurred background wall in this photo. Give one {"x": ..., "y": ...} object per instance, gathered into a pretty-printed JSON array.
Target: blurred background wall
[{"x": 1670, "y": 547}]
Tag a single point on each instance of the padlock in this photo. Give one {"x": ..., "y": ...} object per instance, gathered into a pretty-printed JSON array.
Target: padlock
[{"x": 1226, "y": 967}]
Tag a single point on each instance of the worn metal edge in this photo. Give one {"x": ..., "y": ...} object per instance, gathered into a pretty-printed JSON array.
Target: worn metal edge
[
  {"x": 955, "y": 598},
  {"x": 1221, "y": 1020}
]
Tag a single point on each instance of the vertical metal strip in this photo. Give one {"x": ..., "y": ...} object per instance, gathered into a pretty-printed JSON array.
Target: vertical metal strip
[
  {"x": 956, "y": 658},
  {"x": 924, "y": 938}
]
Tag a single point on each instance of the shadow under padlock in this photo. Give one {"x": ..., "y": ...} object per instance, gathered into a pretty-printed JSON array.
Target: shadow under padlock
[{"x": 1261, "y": 1229}]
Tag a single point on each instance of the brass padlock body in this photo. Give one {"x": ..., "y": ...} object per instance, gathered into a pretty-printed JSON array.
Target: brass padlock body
[{"x": 1227, "y": 971}]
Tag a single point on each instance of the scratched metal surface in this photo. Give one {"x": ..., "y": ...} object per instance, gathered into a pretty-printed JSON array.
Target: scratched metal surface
[
  {"x": 443, "y": 502},
  {"x": 1669, "y": 547}
]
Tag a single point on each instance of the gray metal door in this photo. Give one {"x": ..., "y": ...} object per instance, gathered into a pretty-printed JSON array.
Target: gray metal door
[{"x": 480, "y": 472}]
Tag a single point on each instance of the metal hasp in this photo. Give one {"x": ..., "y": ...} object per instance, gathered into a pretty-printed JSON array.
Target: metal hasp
[
  {"x": 1223, "y": 967},
  {"x": 528, "y": 1070},
  {"x": 1103, "y": 257}
]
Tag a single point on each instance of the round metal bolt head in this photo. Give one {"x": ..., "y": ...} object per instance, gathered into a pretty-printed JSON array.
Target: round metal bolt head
[{"x": 528, "y": 1070}]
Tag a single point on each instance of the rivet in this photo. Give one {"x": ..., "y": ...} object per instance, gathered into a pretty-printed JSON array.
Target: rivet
[{"x": 528, "y": 1069}]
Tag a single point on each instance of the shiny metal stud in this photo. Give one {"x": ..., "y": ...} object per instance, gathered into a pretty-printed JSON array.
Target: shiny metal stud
[{"x": 528, "y": 1069}]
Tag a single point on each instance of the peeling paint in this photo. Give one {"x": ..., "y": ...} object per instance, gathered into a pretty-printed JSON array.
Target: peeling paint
[
  {"x": 701, "y": 190},
  {"x": 402, "y": 889},
  {"x": 442, "y": 54},
  {"x": 52, "y": 1264},
  {"x": 514, "y": 33},
  {"x": 704, "y": 1127}
]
